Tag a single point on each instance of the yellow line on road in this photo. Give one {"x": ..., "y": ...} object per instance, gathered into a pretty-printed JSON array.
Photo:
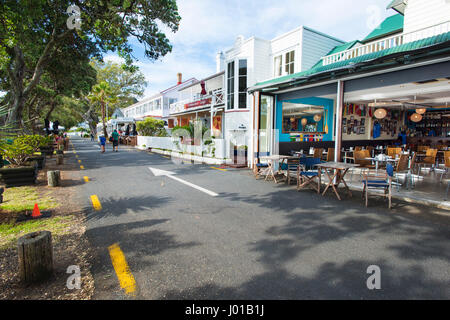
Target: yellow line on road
[
  {"x": 86, "y": 179},
  {"x": 96, "y": 203},
  {"x": 218, "y": 169},
  {"x": 82, "y": 167},
  {"x": 122, "y": 269}
]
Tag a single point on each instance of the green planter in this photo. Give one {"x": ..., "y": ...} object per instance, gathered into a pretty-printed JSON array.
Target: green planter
[{"x": 20, "y": 176}]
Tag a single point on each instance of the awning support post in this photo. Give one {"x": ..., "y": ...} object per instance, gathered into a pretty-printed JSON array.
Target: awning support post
[{"x": 339, "y": 109}]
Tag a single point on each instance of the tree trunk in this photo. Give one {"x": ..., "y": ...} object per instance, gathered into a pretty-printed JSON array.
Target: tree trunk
[
  {"x": 35, "y": 256},
  {"x": 54, "y": 177},
  {"x": 103, "y": 119}
]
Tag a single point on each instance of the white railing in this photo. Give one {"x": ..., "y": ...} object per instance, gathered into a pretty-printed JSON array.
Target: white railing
[
  {"x": 387, "y": 43},
  {"x": 217, "y": 98}
]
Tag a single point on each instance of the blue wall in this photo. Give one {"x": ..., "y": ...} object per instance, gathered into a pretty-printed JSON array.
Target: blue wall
[{"x": 328, "y": 104}]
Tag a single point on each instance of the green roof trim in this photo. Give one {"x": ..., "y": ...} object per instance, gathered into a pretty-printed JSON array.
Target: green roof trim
[
  {"x": 364, "y": 58},
  {"x": 390, "y": 25},
  {"x": 337, "y": 49}
]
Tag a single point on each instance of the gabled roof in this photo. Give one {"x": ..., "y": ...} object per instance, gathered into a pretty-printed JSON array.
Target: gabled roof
[
  {"x": 404, "y": 48},
  {"x": 398, "y": 5},
  {"x": 390, "y": 25}
]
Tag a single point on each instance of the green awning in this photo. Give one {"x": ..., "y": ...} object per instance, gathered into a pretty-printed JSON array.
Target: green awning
[{"x": 319, "y": 68}]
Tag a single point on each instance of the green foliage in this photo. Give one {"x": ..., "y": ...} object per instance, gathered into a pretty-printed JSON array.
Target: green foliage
[
  {"x": 34, "y": 141},
  {"x": 16, "y": 153},
  {"x": 151, "y": 128}
]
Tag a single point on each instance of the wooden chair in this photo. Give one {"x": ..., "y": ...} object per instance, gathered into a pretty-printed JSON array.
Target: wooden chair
[
  {"x": 307, "y": 173},
  {"x": 318, "y": 153},
  {"x": 330, "y": 155},
  {"x": 422, "y": 149},
  {"x": 402, "y": 167},
  {"x": 447, "y": 163},
  {"x": 259, "y": 168},
  {"x": 393, "y": 152},
  {"x": 430, "y": 159},
  {"x": 291, "y": 169},
  {"x": 364, "y": 165},
  {"x": 370, "y": 149},
  {"x": 379, "y": 181}
]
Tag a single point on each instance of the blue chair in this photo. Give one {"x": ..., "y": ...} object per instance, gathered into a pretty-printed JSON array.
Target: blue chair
[
  {"x": 308, "y": 174},
  {"x": 258, "y": 168},
  {"x": 373, "y": 180}
]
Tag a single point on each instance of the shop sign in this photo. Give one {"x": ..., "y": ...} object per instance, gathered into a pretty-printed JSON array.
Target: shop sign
[{"x": 199, "y": 103}]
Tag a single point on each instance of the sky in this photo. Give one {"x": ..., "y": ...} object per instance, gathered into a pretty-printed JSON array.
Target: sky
[{"x": 210, "y": 26}]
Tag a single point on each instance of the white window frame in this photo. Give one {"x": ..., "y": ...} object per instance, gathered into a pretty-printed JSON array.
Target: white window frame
[{"x": 236, "y": 83}]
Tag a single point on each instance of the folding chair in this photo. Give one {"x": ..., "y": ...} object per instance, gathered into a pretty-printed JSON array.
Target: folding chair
[
  {"x": 259, "y": 169},
  {"x": 307, "y": 173},
  {"x": 379, "y": 181},
  {"x": 291, "y": 169}
]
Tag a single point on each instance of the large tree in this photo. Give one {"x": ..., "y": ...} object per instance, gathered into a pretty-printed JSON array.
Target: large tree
[{"x": 32, "y": 32}]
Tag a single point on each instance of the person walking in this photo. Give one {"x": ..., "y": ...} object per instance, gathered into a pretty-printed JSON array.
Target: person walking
[
  {"x": 103, "y": 143},
  {"x": 115, "y": 141},
  {"x": 92, "y": 136}
]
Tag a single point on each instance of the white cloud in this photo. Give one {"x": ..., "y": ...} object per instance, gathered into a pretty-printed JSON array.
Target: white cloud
[{"x": 209, "y": 26}]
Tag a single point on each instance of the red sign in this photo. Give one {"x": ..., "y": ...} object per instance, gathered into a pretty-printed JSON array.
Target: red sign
[{"x": 199, "y": 103}]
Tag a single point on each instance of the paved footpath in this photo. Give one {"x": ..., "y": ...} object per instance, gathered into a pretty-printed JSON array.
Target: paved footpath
[{"x": 205, "y": 233}]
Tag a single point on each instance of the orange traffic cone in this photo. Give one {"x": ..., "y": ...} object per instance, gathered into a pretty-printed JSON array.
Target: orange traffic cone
[{"x": 36, "y": 212}]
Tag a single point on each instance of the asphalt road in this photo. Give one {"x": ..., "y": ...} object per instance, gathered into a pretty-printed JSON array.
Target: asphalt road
[{"x": 255, "y": 240}]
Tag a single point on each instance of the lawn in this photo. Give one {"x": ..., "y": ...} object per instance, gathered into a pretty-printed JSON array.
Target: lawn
[
  {"x": 10, "y": 232},
  {"x": 22, "y": 199}
]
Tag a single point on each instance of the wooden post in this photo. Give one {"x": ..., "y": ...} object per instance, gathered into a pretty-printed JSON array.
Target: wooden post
[
  {"x": 35, "y": 256},
  {"x": 53, "y": 178},
  {"x": 59, "y": 159}
]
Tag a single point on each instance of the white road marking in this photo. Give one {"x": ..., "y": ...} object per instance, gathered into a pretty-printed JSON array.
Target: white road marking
[{"x": 171, "y": 175}]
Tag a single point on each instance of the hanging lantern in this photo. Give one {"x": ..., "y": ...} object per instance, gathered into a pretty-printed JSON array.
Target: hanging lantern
[
  {"x": 380, "y": 113},
  {"x": 304, "y": 122},
  {"x": 317, "y": 117},
  {"x": 421, "y": 110},
  {"x": 416, "y": 117}
]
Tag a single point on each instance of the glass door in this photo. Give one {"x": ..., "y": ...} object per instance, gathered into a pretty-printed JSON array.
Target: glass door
[{"x": 265, "y": 125}]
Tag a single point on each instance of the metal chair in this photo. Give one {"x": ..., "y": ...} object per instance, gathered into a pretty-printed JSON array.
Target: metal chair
[
  {"x": 430, "y": 159},
  {"x": 379, "y": 181},
  {"x": 307, "y": 173}
]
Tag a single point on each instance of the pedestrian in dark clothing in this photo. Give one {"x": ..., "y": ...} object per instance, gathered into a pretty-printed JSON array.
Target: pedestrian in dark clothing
[{"x": 115, "y": 141}]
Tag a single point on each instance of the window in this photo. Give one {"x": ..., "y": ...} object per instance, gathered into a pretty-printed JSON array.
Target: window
[
  {"x": 303, "y": 118},
  {"x": 242, "y": 84},
  {"x": 289, "y": 62},
  {"x": 278, "y": 69},
  {"x": 230, "y": 86}
]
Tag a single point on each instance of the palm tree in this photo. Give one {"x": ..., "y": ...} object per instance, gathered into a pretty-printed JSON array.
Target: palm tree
[{"x": 102, "y": 94}]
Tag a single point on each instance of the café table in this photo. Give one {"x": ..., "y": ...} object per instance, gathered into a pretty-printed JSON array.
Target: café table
[
  {"x": 269, "y": 171},
  {"x": 340, "y": 169},
  {"x": 378, "y": 160}
]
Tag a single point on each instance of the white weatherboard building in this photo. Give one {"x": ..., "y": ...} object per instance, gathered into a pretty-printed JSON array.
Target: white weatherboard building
[
  {"x": 157, "y": 106},
  {"x": 253, "y": 60}
]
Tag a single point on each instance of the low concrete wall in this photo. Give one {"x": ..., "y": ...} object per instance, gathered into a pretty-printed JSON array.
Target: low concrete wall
[{"x": 214, "y": 153}]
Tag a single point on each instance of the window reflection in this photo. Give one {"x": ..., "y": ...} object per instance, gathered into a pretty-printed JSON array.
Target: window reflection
[{"x": 303, "y": 118}]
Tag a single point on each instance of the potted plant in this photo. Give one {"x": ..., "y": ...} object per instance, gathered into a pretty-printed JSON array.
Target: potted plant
[
  {"x": 20, "y": 171},
  {"x": 35, "y": 141},
  {"x": 46, "y": 147}
]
